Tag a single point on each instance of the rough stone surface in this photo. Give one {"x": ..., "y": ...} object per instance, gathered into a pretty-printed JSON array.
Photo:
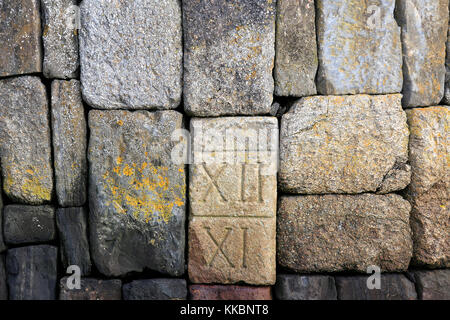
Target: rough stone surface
[
  {"x": 233, "y": 194},
  {"x": 429, "y": 152},
  {"x": 123, "y": 65},
  {"x": 332, "y": 233},
  {"x": 2, "y": 243},
  {"x": 356, "y": 143},
  {"x": 20, "y": 36},
  {"x": 424, "y": 26},
  {"x": 69, "y": 143},
  {"x": 31, "y": 272},
  {"x": 137, "y": 193},
  {"x": 25, "y": 150},
  {"x": 28, "y": 224},
  {"x": 447, "y": 70},
  {"x": 393, "y": 287},
  {"x": 155, "y": 289},
  {"x": 217, "y": 292},
  {"x": 3, "y": 287},
  {"x": 60, "y": 38},
  {"x": 72, "y": 227},
  {"x": 91, "y": 289},
  {"x": 433, "y": 285},
  {"x": 229, "y": 50},
  {"x": 305, "y": 287},
  {"x": 359, "y": 47},
  {"x": 296, "y": 48}
]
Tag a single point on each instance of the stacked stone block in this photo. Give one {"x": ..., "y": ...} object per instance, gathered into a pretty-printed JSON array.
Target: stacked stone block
[{"x": 103, "y": 180}]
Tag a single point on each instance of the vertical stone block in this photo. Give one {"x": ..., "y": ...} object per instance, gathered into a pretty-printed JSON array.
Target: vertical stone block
[
  {"x": 137, "y": 193},
  {"x": 29, "y": 224},
  {"x": 433, "y": 285},
  {"x": 60, "y": 38},
  {"x": 25, "y": 150},
  {"x": 72, "y": 227},
  {"x": 360, "y": 49},
  {"x": 296, "y": 59},
  {"x": 424, "y": 26},
  {"x": 429, "y": 152},
  {"x": 392, "y": 287},
  {"x": 20, "y": 36},
  {"x": 217, "y": 292},
  {"x": 3, "y": 286},
  {"x": 233, "y": 193},
  {"x": 91, "y": 289},
  {"x": 305, "y": 287},
  {"x": 32, "y": 272},
  {"x": 333, "y": 233},
  {"x": 131, "y": 54},
  {"x": 155, "y": 289},
  {"x": 229, "y": 50},
  {"x": 69, "y": 143},
  {"x": 447, "y": 70},
  {"x": 344, "y": 144}
]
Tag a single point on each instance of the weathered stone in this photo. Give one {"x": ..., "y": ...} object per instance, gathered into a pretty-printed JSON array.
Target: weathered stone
[
  {"x": 69, "y": 143},
  {"x": 3, "y": 287},
  {"x": 60, "y": 38},
  {"x": 32, "y": 272},
  {"x": 155, "y": 289},
  {"x": 393, "y": 287},
  {"x": 433, "y": 285},
  {"x": 2, "y": 243},
  {"x": 332, "y": 233},
  {"x": 217, "y": 292},
  {"x": 28, "y": 224},
  {"x": 360, "y": 49},
  {"x": 137, "y": 193},
  {"x": 131, "y": 53},
  {"x": 355, "y": 143},
  {"x": 429, "y": 152},
  {"x": 296, "y": 59},
  {"x": 305, "y": 287},
  {"x": 424, "y": 26},
  {"x": 229, "y": 50},
  {"x": 20, "y": 36},
  {"x": 447, "y": 70},
  {"x": 233, "y": 194},
  {"x": 25, "y": 150},
  {"x": 91, "y": 289},
  {"x": 72, "y": 227}
]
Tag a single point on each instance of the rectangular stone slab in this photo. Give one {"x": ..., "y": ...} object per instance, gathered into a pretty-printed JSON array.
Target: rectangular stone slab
[
  {"x": 155, "y": 289},
  {"x": 3, "y": 285},
  {"x": 447, "y": 70},
  {"x": 137, "y": 193},
  {"x": 359, "y": 47},
  {"x": 218, "y": 292},
  {"x": 229, "y": 50},
  {"x": 232, "y": 192},
  {"x": 424, "y": 26},
  {"x": 332, "y": 233},
  {"x": 60, "y": 38},
  {"x": 305, "y": 287},
  {"x": 429, "y": 191},
  {"x": 69, "y": 143},
  {"x": 91, "y": 289},
  {"x": 433, "y": 284},
  {"x": 296, "y": 58},
  {"x": 131, "y": 54},
  {"x": 344, "y": 144},
  {"x": 20, "y": 36},
  {"x": 25, "y": 149}
]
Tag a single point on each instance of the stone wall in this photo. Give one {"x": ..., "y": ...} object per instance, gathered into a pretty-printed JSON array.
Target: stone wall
[{"x": 248, "y": 149}]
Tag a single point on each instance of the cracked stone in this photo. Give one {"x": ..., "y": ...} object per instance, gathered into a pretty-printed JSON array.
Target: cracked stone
[
  {"x": 296, "y": 48},
  {"x": 357, "y": 143},
  {"x": 25, "y": 150},
  {"x": 316, "y": 233},
  {"x": 28, "y": 224},
  {"x": 32, "y": 272},
  {"x": 60, "y": 38},
  {"x": 91, "y": 289},
  {"x": 305, "y": 287},
  {"x": 137, "y": 192},
  {"x": 123, "y": 66},
  {"x": 433, "y": 285},
  {"x": 229, "y": 50},
  {"x": 424, "y": 26},
  {"x": 20, "y": 36},
  {"x": 428, "y": 192},
  {"x": 69, "y": 143},
  {"x": 155, "y": 289},
  {"x": 359, "y": 45}
]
